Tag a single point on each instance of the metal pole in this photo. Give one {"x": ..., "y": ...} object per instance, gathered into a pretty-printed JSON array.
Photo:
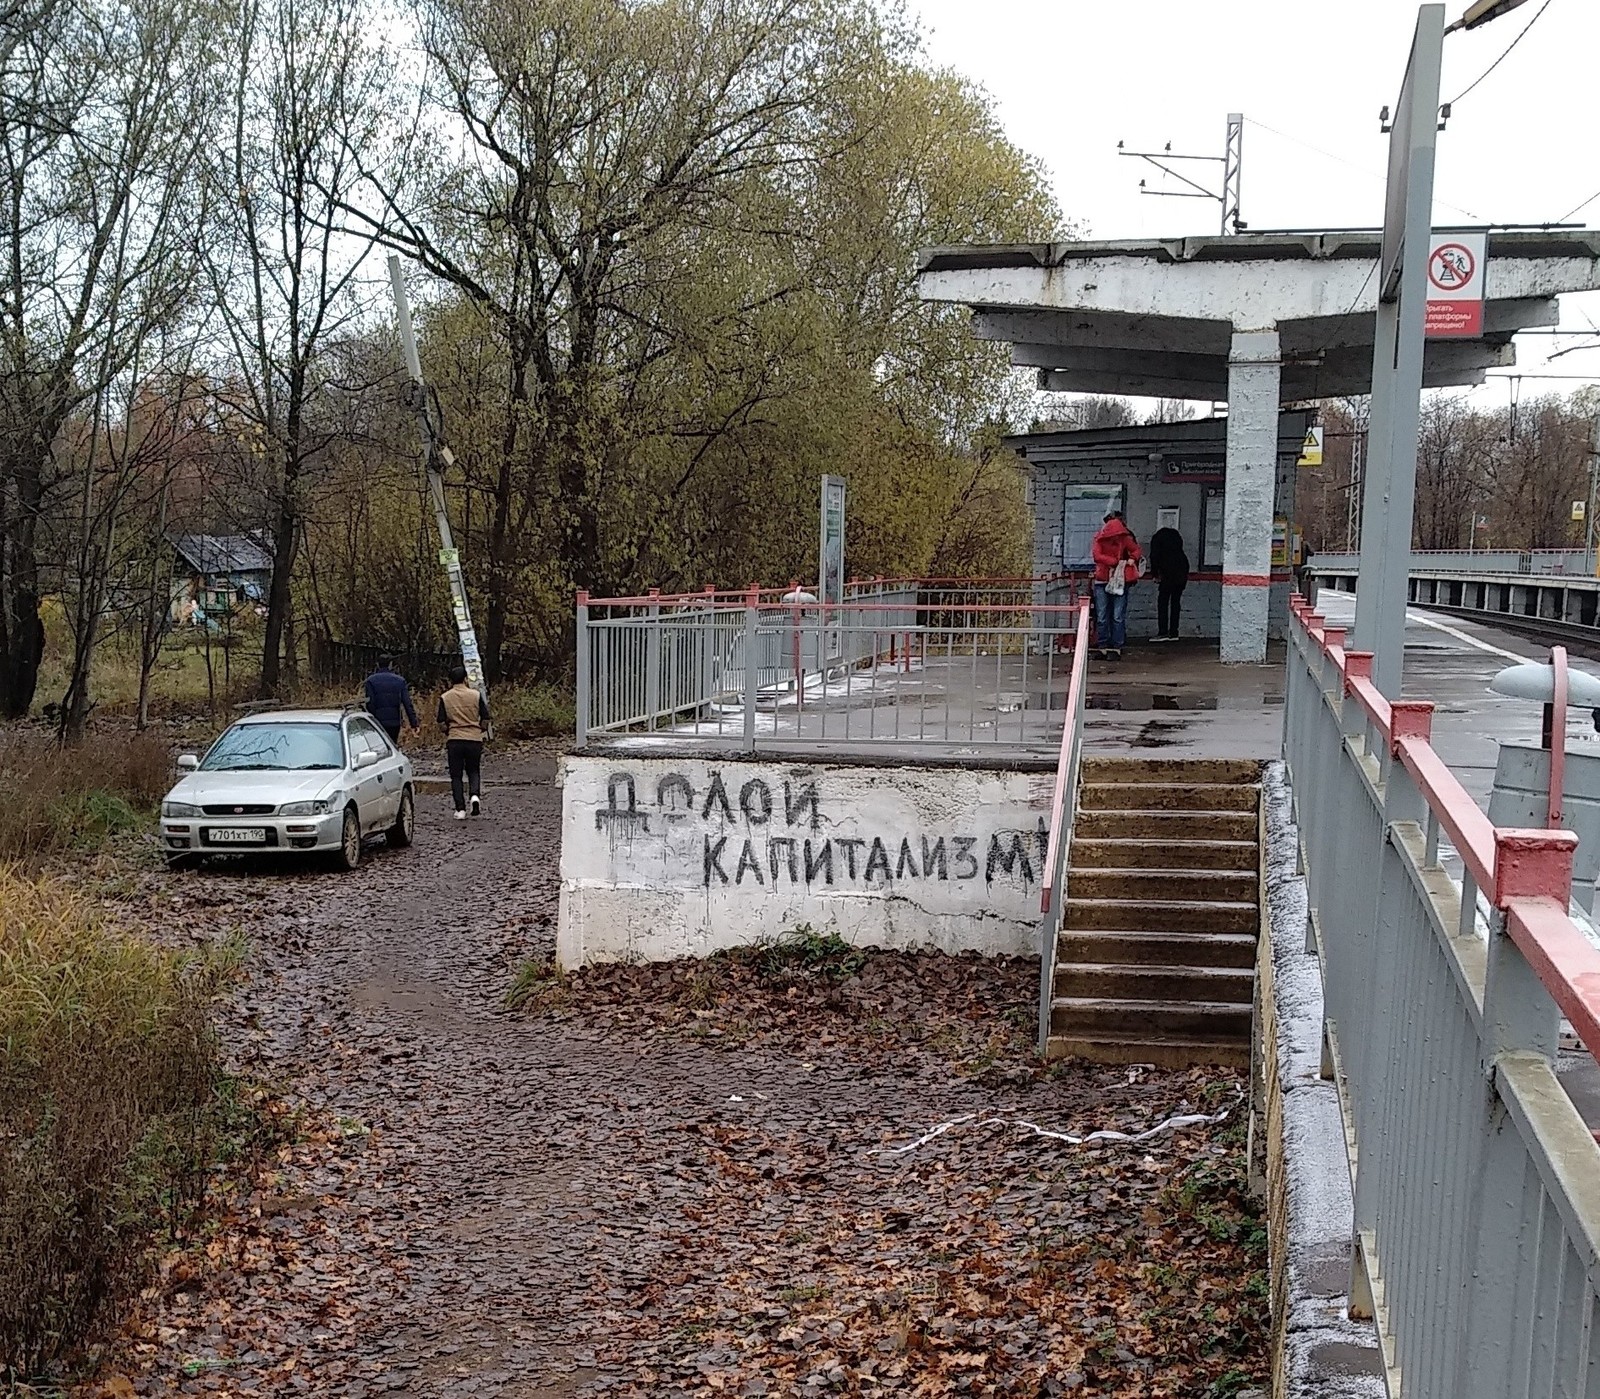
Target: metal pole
[
  {"x": 1232, "y": 165},
  {"x": 583, "y": 671},
  {"x": 1389, "y": 499},
  {"x": 1594, "y": 481},
  {"x": 435, "y": 452},
  {"x": 752, "y": 676}
]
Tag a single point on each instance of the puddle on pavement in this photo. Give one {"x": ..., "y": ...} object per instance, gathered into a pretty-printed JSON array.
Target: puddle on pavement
[{"x": 1136, "y": 703}]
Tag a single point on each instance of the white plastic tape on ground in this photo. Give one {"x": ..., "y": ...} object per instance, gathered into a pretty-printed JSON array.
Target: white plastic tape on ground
[{"x": 978, "y": 1119}]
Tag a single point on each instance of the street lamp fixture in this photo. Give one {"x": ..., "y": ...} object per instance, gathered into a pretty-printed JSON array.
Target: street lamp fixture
[{"x": 1482, "y": 12}]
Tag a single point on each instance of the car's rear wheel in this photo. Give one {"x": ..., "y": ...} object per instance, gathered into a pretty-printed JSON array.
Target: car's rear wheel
[
  {"x": 405, "y": 822},
  {"x": 348, "y": 855}
]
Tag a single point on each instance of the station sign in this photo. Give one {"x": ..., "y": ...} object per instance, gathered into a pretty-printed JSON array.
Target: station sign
[{"x": 1455, "y": 285}]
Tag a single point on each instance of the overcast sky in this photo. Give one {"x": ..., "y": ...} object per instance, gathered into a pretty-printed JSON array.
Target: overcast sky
[{"x": 1071, "y": 78}]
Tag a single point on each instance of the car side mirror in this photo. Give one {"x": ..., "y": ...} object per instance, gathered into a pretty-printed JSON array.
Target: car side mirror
[
  {"x": 188, "y": 762},
  {"x": 366, "y": 758}
]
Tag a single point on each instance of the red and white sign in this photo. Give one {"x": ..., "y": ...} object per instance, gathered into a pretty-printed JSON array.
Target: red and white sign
[{"x": 1455, "y": 284}]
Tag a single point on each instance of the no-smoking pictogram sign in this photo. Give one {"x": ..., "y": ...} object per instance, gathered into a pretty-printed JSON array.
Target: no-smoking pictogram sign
[{"x": 1451, "y": 267}]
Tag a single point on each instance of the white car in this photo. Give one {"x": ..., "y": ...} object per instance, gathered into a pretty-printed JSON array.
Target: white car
[{"x": 313, "y": 780}]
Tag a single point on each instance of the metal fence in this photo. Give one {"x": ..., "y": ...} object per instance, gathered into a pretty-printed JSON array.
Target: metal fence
[
  {"x": 1476, "y": 1181},
  {"x": 936, "y": 662},
  {"x": 1063, "y": 816},
  {"x": 1573, "y": 561}
]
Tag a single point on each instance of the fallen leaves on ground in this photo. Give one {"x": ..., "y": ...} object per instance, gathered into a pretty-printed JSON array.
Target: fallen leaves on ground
[{"x": 671, "y": 1180}]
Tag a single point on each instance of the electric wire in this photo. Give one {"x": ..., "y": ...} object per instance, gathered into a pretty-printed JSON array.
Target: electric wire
[
  {"x": 1579, "y": 208},
  {"x": 1360, "y": 169},
  {"x": 1506, "y": 53}
]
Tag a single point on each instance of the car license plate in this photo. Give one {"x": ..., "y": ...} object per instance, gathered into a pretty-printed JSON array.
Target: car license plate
[{"x": 239, "y": 835}]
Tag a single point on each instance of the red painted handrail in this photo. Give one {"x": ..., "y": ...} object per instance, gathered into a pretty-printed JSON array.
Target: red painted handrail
[
  {"x": 1525, "y": 874},
  {"x": 1058, "y": 801}
]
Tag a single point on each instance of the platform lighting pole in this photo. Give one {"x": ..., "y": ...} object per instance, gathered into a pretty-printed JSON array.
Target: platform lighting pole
[
  {"x": 1389, "y": 495},
  {"x": 435, "y": 456}
]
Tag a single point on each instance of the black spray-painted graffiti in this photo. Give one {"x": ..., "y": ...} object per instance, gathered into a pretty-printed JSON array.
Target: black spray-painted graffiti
[{"x": 763, "y": 857}]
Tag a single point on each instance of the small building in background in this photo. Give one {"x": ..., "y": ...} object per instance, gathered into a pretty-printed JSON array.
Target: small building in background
[
  {"x": 1157, "y": 474},
  {"x": 217, "y": 575}
]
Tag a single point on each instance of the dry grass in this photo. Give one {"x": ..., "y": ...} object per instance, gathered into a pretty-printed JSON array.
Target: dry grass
[
  {"x": 108, "y": 1112},
  {"x": 58, "y": 798}
]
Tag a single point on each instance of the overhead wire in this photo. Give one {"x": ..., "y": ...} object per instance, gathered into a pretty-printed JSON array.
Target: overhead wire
[
  {"x": 1579, "y": 208},
  {"x": 1341, "y": 160},
  {"x": 1505, "y": 53}
]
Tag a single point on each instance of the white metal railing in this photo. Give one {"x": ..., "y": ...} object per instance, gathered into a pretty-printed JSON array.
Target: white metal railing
[
  {"x": 1476, "y": 1181},
  {"x": 1063, "y": 815},
  {"x": 1529, "y": 561},
  {"x": 940, "y": 662}
]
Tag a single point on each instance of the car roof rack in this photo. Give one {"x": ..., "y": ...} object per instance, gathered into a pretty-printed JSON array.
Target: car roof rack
[{"x": 259, "y": 706}]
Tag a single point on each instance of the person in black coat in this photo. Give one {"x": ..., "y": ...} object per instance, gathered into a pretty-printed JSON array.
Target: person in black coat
[
  {"x": 1170, "y": 565},
  {"x": 389, "y": 699}
]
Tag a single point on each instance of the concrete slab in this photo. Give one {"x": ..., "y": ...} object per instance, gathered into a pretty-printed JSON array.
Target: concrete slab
[{"x": 1177, "y": 699}]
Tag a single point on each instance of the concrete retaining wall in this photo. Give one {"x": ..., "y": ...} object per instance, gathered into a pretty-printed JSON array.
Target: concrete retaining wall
[
  {"x": 1319, "y": 1352},
  {"x": 665, "y": 857}
]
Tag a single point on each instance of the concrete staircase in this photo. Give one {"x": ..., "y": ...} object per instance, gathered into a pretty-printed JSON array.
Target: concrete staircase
[{"x": 1155, "y": 960}]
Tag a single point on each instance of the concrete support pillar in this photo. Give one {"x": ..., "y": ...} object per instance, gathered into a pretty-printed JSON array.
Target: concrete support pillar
[{"x": 1251, "y": 488}]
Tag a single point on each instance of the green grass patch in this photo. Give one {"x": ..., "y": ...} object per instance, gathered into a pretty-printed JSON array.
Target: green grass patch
[{"x": 800, "y": 952}]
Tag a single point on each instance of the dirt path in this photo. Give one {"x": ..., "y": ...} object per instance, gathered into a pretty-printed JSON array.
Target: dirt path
[{"x": 506, "y": 1204}]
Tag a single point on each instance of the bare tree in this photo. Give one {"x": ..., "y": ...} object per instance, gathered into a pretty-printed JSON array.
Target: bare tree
[
  {"x": 304, "y": 99},
  {"x": 98, "y": 240},
  {"x": 1090, "y": 410},
  {"x": 609, "y": 147},
  {"x": 1449, "y": 439}
]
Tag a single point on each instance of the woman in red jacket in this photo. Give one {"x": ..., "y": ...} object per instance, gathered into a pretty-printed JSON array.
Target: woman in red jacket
[{"x": 1115, "y": 552}]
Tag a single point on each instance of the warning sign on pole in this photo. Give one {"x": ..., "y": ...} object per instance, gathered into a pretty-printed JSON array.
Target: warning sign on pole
[
  {"x": 1311, "y": 448},
  {"x": 1455, "y": 284}
]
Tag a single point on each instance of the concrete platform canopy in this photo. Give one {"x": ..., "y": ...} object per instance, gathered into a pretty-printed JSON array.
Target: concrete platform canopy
[{"x": 1255, "y": 319}]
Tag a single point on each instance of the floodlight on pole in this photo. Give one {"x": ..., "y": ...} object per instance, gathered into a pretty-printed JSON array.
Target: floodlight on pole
[{"x": 1482, "y": 12}]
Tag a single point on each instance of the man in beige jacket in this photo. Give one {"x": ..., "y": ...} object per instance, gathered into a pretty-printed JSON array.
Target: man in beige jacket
[{"x": 464, "y": 717}]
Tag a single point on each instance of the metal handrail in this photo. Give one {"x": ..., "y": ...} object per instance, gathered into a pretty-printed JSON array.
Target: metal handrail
[
  {"x": 1063, "y": 812},
  {"x": 1476, "y": 1182}
]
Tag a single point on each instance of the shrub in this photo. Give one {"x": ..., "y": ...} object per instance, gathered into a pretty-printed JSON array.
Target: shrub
[
  {"x": 58, "y": 797},
  {"x": 108, "y": 1089},
  {"x": 534, "y": 711},
  {"x": 801, "y": 952}
]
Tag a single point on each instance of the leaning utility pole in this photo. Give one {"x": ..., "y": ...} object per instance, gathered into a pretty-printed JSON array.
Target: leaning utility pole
[{"x": 435, "y": 453}]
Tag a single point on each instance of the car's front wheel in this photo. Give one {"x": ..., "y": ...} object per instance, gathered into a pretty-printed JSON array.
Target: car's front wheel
[
  {"x": 181, "y": 860},
  {"x": 405, "y": 822},
  {"x": 349, "y": 852}
]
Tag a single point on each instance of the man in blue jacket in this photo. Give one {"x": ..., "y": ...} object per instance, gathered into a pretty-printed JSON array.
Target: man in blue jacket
[{"x": 387, "y": 697}]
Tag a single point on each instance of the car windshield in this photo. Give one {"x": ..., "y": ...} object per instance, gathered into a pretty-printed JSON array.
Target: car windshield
[{"x": 276, "y": 748}]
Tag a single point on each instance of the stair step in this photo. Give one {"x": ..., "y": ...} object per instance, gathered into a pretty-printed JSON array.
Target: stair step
[
  {"x": 1100, "y": 882},
  {"x": 1166, "y": 796},
  {"x": 1130, "y": 853},
  {"x": 1106, "y": 769},
  {"x": 1171, "y": 984},
  {"x": 1156, "y": 949},
  {"x": 1092, "y": 1017},
  {"x": 1165, "y": 825},
  {"x": 1168, "y": 1052},
  {"x": 1161, "y": 916}
]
